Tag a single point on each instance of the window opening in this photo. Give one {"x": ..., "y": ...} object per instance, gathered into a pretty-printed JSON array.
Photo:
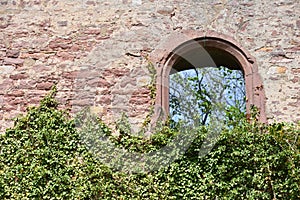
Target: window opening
[
  {"x": 198, "y": 59},
  {"x": 199, "y": 95}
]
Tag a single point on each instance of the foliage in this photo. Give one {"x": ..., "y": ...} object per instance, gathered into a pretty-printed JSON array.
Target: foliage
[
  {"x": 43, "y": 157},
  {"x": 251, "y": 161},
  {"x": 200, "y": 94}
]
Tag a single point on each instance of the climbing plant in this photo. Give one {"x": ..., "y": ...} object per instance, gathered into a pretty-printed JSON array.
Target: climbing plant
[{"x": 44, "y": 157}]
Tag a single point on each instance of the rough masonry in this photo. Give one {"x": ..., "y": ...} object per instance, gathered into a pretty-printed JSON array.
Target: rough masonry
[{"x": 98, "y": 52}]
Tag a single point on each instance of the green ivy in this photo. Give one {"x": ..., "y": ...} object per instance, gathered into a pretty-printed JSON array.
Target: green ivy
[{"x": 44, "y": 157}]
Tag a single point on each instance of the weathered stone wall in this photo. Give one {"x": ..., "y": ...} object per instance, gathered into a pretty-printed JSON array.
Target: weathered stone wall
[{"x": 97, "y": 51}]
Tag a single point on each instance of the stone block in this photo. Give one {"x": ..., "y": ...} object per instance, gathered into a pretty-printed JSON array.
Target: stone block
[
  {"x": 13, "y": 61},
  {"x": 6, "y": 69}
]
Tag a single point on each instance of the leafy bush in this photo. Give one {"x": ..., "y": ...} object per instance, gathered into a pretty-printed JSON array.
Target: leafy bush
[
  {"x": 43, "y": 157},
  {"x": 248, "y": 162}
]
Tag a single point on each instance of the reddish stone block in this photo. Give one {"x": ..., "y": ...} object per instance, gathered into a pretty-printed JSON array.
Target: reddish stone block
[
  {"x": 139, "y": 101},
  {"x": 35, "y": 56},
  {"x": 19, "y": 76},
  {"x": 60, "y": 43},
  {"x": 105, "y": 92},
  {"x": 296, "y": 79},
  {"x": 6, "y": 85},
  {"x": 36, "y": 93},
  {"x": 65, "y": 55},
  {"x": 34, "y": 100},
  {"x": 105, "y": 99},
  {"x": 25, "y": 84},
  {"x": 87, "y": 74},
  {"x": 82, "y": 102},
  {"x": 70, "y": 75},
  {"x": 3, "y": 26},
  {"x": 13, "y": 61},
  {"x": 298, "y": 24},
  {"x": 16, "y": 101},
  {"x": 8, "y": 108},
  {"x": 75, "y": 48},
  {"x": 103, "y": 83},
  {"x": 141, "y": 91},
  {"x": 40, "y": 68},
  {"x": 92, "y": 31},
  {"x": 118, "y": 72},
  {"x": 15, "y": 93},
  {"x": 295, "y": 70},
  {"x": 92, "y": 3},
  {"x": 13, "y": 53},
  {"x": 44, "y": 86}
]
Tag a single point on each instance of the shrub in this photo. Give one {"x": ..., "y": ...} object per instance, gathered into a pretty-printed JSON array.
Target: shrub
[
  {"x": 248, "y": 162},
  {"x": 44, "y": 157}
]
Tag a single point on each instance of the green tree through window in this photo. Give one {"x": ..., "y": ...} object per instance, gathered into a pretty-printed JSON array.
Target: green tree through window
[{"x": 199, "y": 95}]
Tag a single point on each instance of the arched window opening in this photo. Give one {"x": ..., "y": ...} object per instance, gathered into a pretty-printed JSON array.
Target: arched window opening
[{"x": 201, "y": 74}]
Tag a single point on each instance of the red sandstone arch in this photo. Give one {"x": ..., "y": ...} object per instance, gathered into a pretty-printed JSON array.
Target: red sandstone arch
[{"x": 164, "y": 59}]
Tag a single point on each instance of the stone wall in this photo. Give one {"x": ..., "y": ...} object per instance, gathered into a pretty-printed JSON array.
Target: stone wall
[{"x": 98, "y": 52}]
